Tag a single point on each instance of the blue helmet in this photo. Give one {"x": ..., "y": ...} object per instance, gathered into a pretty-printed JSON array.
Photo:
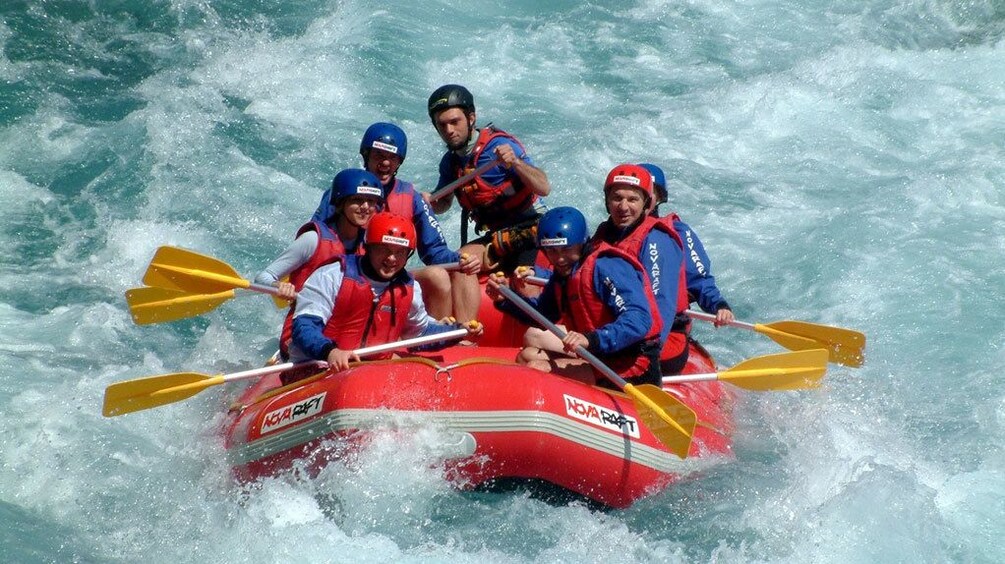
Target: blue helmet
[
  {"x": 385, "y": 136},
  {"x": 659, "y": 182},
  {"x": 561, "y": 227},
  {"x": 355, "y": 182},
  {"x": 349, "y": 182}
]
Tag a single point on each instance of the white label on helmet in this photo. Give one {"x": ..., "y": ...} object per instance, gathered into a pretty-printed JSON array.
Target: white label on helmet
[
  {"x": 370, "y": 191},
  {"x": 625, "y": 179},
  {"x": 554, "y": 242},
  {"x": 385, "y": 147},
  {"x": 392, "y": 240}
]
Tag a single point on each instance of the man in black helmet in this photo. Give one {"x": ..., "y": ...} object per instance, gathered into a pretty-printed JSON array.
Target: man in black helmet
[{"x": 504, "y": 201}]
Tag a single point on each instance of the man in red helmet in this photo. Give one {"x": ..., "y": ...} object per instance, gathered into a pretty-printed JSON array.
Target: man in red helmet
[
  {"x": 364, "y": 300},
  {"x": 628, "y": 193},
  {"x": 504, "y": 201}
]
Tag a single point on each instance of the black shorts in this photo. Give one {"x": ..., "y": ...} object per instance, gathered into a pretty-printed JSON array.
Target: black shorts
[
  {"x": 523, "y": 257},
  {"x": 652, "y": 374}
]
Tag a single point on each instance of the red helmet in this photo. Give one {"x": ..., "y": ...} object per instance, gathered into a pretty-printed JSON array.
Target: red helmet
[
  {"x": 390, "y": 229},
  {"x": 630, "y": 176}
]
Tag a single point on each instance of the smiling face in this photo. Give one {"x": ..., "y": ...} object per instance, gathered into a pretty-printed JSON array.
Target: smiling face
[
  {"x": 358, "y": 210},
  {"x": 454, "y": 127},
  {"x": 387, "y": 260},
  {"x": 562, "y": 259},
  {"x": 626, "y": 206},
  {"x": 383, "y": 164}
]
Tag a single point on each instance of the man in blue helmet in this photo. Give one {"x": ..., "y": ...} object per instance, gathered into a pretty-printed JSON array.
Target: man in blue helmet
[
  {"x": 701, "y": 286},
  {"x": 504, "y": 202},
  {"x": 603, "y": 296},
  {"x": 383, "y": 148}
]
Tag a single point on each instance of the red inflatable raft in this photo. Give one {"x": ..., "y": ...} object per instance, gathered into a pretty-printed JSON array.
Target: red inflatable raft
[{"x": 507, "y": 423}]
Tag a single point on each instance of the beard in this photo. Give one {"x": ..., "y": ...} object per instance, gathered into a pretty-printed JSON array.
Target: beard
[{"x": 462, "y": 144}]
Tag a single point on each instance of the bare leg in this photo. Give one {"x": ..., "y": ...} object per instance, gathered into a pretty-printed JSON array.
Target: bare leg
[
  {"x": 542, "y": 339},
  {"x": 535, "y": 358},
  {"x": 467, "y": 294},
  {"x": 558, "y": 363},
  {"x": 436, "y": 294},
  {"x": 544, "y": 351}
]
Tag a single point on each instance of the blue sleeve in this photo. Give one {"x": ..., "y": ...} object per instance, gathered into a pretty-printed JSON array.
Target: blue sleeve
[
  {"x": 701, "y": 286},
  {"x": 432, "y": 244},
  {"x": 661, "y": 257},
  {"x": 543, "y": 272},
  {"x": 544, "y": 303},
  {"x": 622, "y": 289},
  {"x": 547, "y": 304},
  {"x": 447, "y": 172},
  {"x": 308, "y": 336},
  {"x": 497, "y": 174}
]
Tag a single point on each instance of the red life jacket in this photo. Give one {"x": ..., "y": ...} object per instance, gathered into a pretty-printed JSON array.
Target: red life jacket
[
  {"x": 361, "y": 319},
  {"x": 680, "y": 328},
  {"x": 329, "y": 249},
  {"x": 586, "y": 312},
  {"x": 492, "y": 205},
  {"x": 400, "y": 199}
]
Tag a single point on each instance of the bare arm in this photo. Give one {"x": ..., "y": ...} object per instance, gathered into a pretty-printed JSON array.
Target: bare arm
[
  {"x": 531, "y": 176},
  {"x": 439, "y": 206}
]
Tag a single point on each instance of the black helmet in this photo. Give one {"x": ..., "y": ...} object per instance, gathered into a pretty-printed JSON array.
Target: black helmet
[{"x": 450, "y": 96}]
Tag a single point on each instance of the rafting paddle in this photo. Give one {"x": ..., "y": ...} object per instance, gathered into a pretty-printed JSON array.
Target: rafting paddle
[
  {"x": 449, "y": 188},
  {"x": 183, "y": 283},
  {"x": 772, "y": 372},
  {"x": 160, "y": 305},
  {"x": 188, "y": 271},
  {"x": 153, "y": 391},
  {"x": 669, "y": 419},
  {"x": 844, "y": 346}
]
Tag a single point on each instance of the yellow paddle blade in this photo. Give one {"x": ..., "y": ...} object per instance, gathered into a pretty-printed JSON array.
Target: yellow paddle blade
[
  {"x": 159, "y": 305},
  {"x": 666, "y": 416},
  {"x": 189, "y": 271},
  {"x": 145, "y": 393},
  {"x": 844, "y": 345},
  {"x": 784, "y": 371}
]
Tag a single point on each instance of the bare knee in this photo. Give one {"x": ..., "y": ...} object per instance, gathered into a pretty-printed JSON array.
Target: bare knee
[
  {"x": 435, "y": 283},
  {"x": 434, "y": 279},
  {"x": 542, "y": 339},
  {"x": 535, "y": 358}
]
